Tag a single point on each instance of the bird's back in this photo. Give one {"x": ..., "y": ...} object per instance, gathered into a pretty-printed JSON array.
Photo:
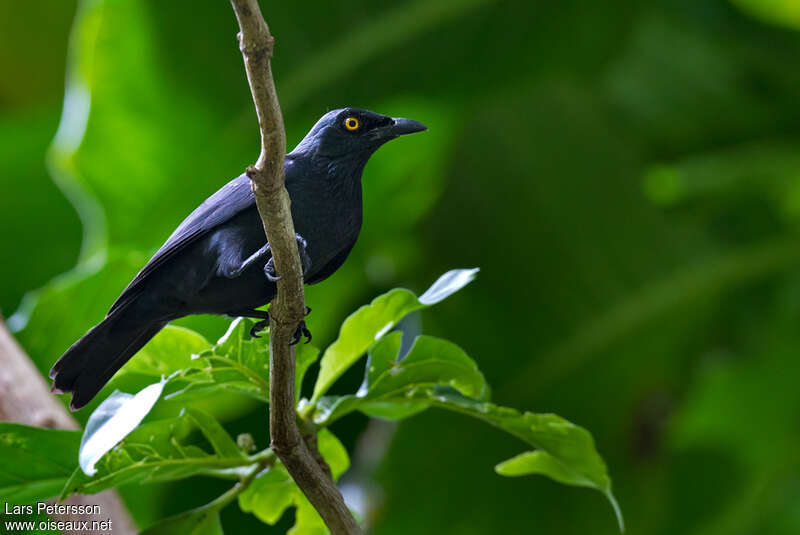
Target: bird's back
[{"x": 231, "y": 199}]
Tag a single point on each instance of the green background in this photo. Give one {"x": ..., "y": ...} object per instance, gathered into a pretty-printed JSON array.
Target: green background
[{"x": 626, "y": 174}]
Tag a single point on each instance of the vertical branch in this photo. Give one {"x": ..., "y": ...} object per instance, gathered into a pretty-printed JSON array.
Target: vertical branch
[{"x": 288, "y": 308}]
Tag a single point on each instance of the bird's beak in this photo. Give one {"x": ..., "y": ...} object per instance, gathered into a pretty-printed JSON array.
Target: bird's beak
[
  {"x": 398, "y": 127},
  {"x": 401, "y": 126}
]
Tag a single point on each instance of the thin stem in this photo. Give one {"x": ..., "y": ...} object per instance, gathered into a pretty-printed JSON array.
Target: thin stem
[{"x": 288, "y": 308}]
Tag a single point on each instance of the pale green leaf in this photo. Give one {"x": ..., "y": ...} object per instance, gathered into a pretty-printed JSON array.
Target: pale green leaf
[{"x": 113, "y": 419}]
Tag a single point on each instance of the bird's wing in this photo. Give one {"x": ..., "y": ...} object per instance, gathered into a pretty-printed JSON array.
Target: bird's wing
[{"x": 231, "y": 199}]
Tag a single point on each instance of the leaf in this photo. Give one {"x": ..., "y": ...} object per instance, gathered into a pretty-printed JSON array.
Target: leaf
[
  {"x": 113, "y": 419},
  {"x": 35, "y": 463},
  {"x": 370, "y": 322},
  {"x": 269, "y": 495},
  {"x": 200, "y": 521},
  {"x": 380, "y": 358},
  {"x": 567, "y": 451},
  {"x": 173, "y": 348},
  {"x": 333, "y": 452},
  {"x": 306, "y": 519},
  {"x": 389, "y": 385},
  {"x": 237, "y": 345},
  {"x": 540, "y": 462},
  {"x": 431, "y": 361},
  {"x": 393, "y": 409},
  {"x": 216, "y": 435},
  {"x": 447, "y": 284}
]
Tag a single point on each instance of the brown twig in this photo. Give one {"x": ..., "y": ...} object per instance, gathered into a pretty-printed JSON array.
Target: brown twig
[
  {"x": 25, "y": 398},
  {"x": 288, "y": 308}
]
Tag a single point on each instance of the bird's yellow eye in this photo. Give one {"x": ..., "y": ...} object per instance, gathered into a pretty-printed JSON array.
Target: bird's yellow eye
[{"x": 351, "y": 123}]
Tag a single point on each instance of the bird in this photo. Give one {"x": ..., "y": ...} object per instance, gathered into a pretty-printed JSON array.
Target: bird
[{"x": 218, "y": 261}]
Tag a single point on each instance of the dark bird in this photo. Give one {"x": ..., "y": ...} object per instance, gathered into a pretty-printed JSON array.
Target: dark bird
[{"x": 218, "y": 260}]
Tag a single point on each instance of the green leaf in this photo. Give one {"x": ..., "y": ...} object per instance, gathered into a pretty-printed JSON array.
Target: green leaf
[
  {"x": 381, "y": 357},
  {"x": 237, "y": 345},
  {"x": 333, "y": 452},
  {"x": 541, "y": 462},
  {"x": 370, "y": 322},
  {"x": 35, "y": 463},
  {"x": 272, "y": 492},
  {"x": 216, "y": 435},
  {"x": 173, "y": 348},
  {"x": 330, "y": 408},
  {"x": 393, "y": 409},
  {"x": 269, "y": 495},
  {"x": 568, "y": 454},
  {"x": 200, "y": 521},
  {"x": 389, "y": 386},
  {"x": 306, "y": 519},
  {"x": 430, "y": 361},
  {"x": 113, "y": 419}
]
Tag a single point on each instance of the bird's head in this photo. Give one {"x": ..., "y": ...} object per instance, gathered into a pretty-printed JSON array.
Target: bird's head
[{"x": 353, "y": 133}]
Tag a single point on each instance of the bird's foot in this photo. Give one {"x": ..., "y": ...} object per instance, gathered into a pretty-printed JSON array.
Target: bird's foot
[
  {"x": 259, "y": 326},
  {"x": 301, "y": 331},
  {"x": 305, "y": 260},
  {"x": 269, "y": 272}
]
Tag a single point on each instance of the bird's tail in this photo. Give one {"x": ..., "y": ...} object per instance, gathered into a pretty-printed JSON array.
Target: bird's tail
[{"x": 91, "y": 361}]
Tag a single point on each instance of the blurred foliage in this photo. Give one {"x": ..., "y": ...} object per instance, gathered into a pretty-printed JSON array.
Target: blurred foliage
[{"x": 624, "y": 173}]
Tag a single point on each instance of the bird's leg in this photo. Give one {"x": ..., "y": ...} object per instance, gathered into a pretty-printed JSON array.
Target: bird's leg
[
  {"x": 263, "y": 315},
  {"x": 305, "y": 261},
  {"x": 269, "y": 271},
  {"x": 233, "y": 272}
]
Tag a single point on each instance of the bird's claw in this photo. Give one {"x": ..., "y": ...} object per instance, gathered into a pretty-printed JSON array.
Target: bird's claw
[
  {"x": 269, "y": 271},
  {"x": 305, "y": 261},
  {"x": 259, "y": 326},
  {"x": 301, "y": 331}
]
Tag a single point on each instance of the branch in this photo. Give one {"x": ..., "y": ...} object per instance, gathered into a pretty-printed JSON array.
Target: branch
[
  {"x": 25, "y": 398},
  {"x": 288, "y": 308}
]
